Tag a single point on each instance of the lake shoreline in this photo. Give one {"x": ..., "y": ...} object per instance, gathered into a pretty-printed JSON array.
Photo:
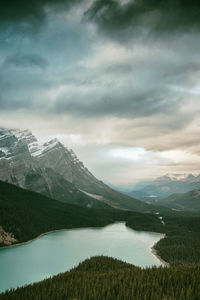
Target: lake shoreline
[
  {"x": 155, "y": 253},
  {"x": 52, "y": 231},
  {"x": 152, "y": 249},
  {"x": 29, "y": 241},
  {"x": 113, "y": 240}
]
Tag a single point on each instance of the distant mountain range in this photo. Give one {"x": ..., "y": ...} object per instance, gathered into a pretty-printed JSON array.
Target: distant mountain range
[
  {"x": 167, "y": 185},
  {"x": 55, "y": 171},
  {"x": 178, "y": 191}
]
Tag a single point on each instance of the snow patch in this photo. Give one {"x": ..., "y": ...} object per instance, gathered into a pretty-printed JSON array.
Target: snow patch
[{"x": 97, "y": 197}]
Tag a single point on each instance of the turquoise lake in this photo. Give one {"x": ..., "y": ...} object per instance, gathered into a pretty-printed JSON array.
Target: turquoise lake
[{"x": 59, "y": 251}]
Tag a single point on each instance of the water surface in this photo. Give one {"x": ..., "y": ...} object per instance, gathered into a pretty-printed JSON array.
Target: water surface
[{"x": 59, "y": 251}]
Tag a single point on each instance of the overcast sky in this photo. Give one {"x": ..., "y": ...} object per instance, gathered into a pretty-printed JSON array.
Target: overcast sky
[{"x": 117, "y": 81}]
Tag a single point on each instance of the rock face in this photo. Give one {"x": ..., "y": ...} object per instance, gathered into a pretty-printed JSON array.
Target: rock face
[
  {"x": 55, "y": 171},
  {"x": 6, "y": 238},
  {"x": 15, "y": 159}
]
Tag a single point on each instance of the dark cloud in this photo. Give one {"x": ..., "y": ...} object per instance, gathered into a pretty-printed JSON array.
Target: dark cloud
[
  {"x": 26, "y": 60},
  {"x": 118, "y": 19},
  {"x": 31, "y": 11},
  {"x": 124, "y": 103}
]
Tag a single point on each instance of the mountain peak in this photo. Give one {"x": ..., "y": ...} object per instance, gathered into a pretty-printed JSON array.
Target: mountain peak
[
  {"x": 52, "y": 169},
  {"x": 52, "y": 141},
  {"x": 177, "y": 177}
]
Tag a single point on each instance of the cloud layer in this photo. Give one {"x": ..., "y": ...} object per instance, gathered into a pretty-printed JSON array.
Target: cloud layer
[
  {"x": 118, "y": 17},
  {"x": 107, "y": 76}
]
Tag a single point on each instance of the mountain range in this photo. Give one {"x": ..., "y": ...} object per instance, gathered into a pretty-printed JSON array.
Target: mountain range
[
  {"x": 167, "y": 185},
  {"x": 53, "y": 170},
  {"x": 180, "y": 192}
]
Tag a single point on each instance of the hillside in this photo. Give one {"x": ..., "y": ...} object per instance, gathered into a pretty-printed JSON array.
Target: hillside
[
  {"x": 183, "y": 202},
  {"x": 110, "y": 279},
  {"x": 25, "y": 215}
]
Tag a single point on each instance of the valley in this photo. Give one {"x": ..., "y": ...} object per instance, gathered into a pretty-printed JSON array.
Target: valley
[{"x": 48, "y": 196}]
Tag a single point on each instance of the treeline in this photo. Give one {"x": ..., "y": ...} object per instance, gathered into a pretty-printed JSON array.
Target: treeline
[
  {"x": 181, "y": 248},
  {"x": 109, "y": 279}
]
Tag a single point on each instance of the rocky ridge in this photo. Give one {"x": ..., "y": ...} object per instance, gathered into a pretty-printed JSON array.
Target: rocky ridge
[{"x": 52, "y": 169}]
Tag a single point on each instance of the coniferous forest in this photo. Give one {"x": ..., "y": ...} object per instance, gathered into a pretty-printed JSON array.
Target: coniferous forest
[{"x": 110, "y": 279}]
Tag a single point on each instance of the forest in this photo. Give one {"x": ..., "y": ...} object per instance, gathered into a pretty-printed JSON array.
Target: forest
[
  {"x": 110, "y": 279},
  {"x": 181, "y": 244}
]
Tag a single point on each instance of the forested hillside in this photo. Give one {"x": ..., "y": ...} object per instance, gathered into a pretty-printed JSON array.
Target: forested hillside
[
  {"x": 183, "y": 202},
  {"x": 27, "y": 214},
  {"x": 181, "y": 244},
  {"x": 103, "y": 278}
]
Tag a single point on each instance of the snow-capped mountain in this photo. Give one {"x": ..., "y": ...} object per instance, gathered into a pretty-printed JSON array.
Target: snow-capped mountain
[
  {"x": 167, "y": 185},
  {"x": 54, "y": 170}
]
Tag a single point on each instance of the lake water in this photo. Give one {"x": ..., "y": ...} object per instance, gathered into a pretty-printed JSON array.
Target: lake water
[{"x": 59, "y": 251}]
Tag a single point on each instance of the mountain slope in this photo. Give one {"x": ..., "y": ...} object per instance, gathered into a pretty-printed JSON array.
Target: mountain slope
[
  {"x": 25, "y": 214},
  {"x": 51, "y": 184},
  {"x": 188, "y": 201},
  {"x": 53, "y": 170}
]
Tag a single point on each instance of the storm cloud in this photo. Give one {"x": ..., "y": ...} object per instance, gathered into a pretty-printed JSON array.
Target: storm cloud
[
  {"x": 117, "y": 17},
  {"x": 31, "y": 11}
]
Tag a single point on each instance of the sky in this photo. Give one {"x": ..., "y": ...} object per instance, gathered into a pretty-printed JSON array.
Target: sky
[{"x": 115, "y": 80}]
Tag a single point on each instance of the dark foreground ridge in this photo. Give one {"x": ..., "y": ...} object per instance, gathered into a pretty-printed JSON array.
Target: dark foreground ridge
[{"x": 110, "y": 279}]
